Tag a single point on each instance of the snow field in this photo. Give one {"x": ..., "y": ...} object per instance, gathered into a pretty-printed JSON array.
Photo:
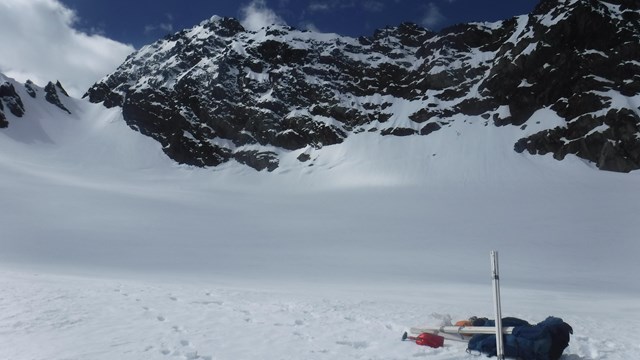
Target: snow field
[
  {"x": 330, "y": 261},
  {"x": 77, "y": 317}
]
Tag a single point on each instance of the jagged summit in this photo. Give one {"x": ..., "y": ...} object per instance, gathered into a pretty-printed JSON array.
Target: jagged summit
[
  {"x": 218, "y": 92},
  {"x": 11, "y": 99}
]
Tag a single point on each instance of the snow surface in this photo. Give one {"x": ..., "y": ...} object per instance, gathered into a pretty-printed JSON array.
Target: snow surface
[{"x": 108, "y": 250}]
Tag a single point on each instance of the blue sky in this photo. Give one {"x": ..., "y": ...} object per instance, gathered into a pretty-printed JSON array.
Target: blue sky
[{"x": 139, "y": 22}]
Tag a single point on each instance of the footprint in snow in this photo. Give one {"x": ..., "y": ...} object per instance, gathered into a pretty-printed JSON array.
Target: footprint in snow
[
  {"x": 220, "y": 303},
  {"x": 161, "y": 318},
  {"x": 192, "y": 355},
  {"x": 354, "y": 344},
  {"x": 178, "y": 329}
]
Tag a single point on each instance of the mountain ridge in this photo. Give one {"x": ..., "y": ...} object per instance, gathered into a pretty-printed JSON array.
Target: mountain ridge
[
  {"x": 11, "y": 98},
  {"x": 217, "y": 92}
]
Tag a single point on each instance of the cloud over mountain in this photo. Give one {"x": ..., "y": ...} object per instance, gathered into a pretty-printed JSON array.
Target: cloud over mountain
[
  {"x": 40, "y": 42},
  {"x": 257, "y": 15}
]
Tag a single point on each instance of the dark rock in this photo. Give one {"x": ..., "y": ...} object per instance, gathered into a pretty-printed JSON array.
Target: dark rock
[
  {"x": 226, "y": 27},
  {"x": 291, "y": 90},
  {"x": 100, "y": 92},
  {"x": 62, "y": 90},
  {"x": 398, "y": 132},
  {"x": 258, "y": 160},
  {"x": 451, "y": 94},
  {"x": 498, "y": 121},
  {"x": 290, "y": 140},
  {"x": 29, "y": 87},
  {"x": 412, "y": 35},
  {"x": 304, "y": 157},
  {"x": 194, "y": 152},
  {"x": 279, "y": 53},
  {"x": 51, "y": 95},
  {"x": 475, "y": 106},
  {"x": 314, "y": 133},
  {"x": 615, "y": 148},
  {"x": 11, "y": 99},
  {"x": 423, "y": 115},
  {"x": 429, "y": 128},
  {"x": 3, "y": 120}
]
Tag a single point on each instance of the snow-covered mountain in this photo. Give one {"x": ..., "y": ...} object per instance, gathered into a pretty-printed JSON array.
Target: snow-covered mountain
[
  {"x": 109, "y": 249},
  {"x": 12, "y": 100},
  {"x": 46, "y": 125},
  {"x": 218, "y": 91}
]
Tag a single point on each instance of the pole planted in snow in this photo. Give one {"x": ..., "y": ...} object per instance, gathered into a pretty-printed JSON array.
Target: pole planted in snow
[{"x": 495, "y": 276}]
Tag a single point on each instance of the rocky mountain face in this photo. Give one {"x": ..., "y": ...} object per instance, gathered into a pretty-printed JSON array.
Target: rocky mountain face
[
  {"x": 11, "y": 101},
  {"x": 218, "y": 92}
]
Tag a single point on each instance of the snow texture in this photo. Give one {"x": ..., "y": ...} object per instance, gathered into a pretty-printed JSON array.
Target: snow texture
[{"x": 109, "y": 250}]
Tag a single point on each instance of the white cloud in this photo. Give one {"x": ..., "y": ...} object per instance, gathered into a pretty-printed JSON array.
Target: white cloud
[
  {"x": 39, "y": 42},
  {"x": 433, "y": 17},
  {"x": 166, "y": 27},
  {"x": 325, "y": 6},
  {"x": 257, "y": 15},
  {"x": 319, "y": 6}
]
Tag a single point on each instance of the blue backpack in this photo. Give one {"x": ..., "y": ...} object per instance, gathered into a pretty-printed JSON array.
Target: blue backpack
[{"x": 543, "y": 341}]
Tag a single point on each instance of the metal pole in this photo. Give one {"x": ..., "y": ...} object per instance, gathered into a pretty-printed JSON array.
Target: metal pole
[
  {"x": 464, "y": 330},
  {"x": 496, "y": 302}
]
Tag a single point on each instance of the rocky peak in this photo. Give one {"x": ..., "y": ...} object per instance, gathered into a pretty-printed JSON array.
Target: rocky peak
[
  {"x": 10, "y": 98},
  {"x": 576, "y": 57},
  {"x": 219, "y": 92},
  {"x": 223, "y": 26},
  {"x": 406, "y": 34},
  {"x": 51, "y": 95}
]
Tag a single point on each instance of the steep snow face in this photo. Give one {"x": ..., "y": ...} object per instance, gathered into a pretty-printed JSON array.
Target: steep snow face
[{"x": 218, "y": 92}]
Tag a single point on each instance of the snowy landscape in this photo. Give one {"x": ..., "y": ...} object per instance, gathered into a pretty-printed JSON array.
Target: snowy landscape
[{"x": 110, "y": 248}]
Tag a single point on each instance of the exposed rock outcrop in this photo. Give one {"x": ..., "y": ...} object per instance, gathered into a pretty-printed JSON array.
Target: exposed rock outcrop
[{"x": 218, "y": 92}]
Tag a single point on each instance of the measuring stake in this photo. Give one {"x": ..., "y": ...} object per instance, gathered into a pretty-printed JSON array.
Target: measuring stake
[{"x": 495, "y": 276}]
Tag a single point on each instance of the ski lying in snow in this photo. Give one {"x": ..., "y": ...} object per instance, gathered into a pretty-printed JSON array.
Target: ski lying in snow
[{"x": 459, "y": 333}]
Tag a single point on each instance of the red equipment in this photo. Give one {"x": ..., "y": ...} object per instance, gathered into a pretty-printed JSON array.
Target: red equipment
[{"x": 425, "y": 339}]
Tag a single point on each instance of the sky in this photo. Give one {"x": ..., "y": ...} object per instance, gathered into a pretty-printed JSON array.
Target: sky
[
  {"x": 142, "y": 21},
  {"x": 80, "y": 41}
]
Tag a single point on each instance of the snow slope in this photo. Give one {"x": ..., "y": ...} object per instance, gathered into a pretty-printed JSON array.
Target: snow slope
[{"x": 110, "y": 250}]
